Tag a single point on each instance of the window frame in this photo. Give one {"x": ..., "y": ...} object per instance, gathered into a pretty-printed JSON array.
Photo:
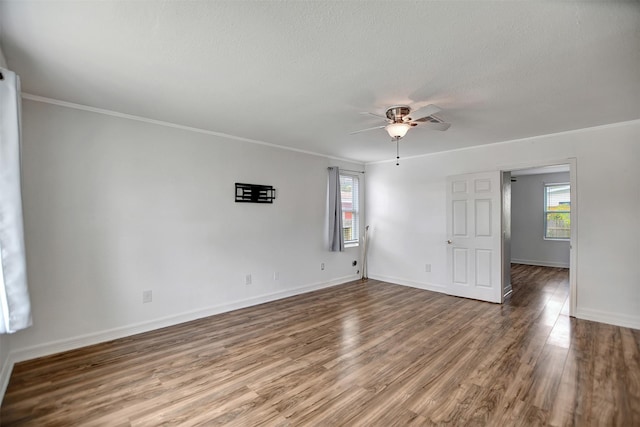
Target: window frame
[
  {"x": 355, "y": 210},
  {"x": 546, "y": 211}
]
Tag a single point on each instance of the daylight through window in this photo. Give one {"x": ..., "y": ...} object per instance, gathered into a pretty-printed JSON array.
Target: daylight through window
[
  {"x": 557, "y": 211},
  {"x": 350, "y": 209}
]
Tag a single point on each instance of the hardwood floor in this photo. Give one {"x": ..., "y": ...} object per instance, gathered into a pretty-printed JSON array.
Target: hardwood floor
[{"x": 357, "y": 354}]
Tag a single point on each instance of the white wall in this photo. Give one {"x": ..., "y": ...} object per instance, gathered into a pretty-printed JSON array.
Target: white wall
[
  {"x": 6, "y": 365},
  {"x": 406, "y": 210},
  {"x": 528, "y": 245},
  {"x": 3, "y": 61},
  {"x": 115, "y": 206}
]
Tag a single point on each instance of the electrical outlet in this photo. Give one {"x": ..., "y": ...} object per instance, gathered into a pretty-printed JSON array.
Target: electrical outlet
[
  {"x": 322, "y": 266},
  {"x": 276, "y": 275},
  {"x": 147, "y": 296},
  {"x": 247, "y": 279},
  {"x": 427, "y": 268}
]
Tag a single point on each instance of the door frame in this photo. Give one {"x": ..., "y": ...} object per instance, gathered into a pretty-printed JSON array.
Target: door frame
[{"x": 573, "y": 241}]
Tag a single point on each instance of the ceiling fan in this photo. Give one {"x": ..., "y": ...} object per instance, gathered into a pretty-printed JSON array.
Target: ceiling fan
[{"x": 400, "y": 119}]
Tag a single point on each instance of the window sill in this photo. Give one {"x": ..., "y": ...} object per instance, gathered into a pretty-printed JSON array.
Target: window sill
[
  {"x": 553, "y": 239},
  {"x": 351, "y": 245}
]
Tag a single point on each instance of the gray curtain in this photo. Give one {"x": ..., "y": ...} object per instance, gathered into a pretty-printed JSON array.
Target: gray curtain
[
  {"x": 336, "y": 240},
  {"x": 15, "y": 308}
]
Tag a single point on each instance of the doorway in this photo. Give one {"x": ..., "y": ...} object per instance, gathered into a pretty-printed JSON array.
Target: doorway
[{"x": 540, "y": 219}]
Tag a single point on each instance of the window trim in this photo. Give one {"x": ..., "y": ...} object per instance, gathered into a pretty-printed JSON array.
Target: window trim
[
  {"x": 545, "y": 212},
  {"x": 355, "y": 210}
]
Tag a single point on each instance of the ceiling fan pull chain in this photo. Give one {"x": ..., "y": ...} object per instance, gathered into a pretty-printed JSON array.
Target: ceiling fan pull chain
[{"x": 397, "y": 151}]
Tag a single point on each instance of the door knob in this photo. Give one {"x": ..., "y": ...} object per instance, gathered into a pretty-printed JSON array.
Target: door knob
[{"x": 449, "y": 242}]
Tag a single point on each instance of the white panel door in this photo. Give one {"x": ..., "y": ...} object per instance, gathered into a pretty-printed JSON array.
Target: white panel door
[{"x": 474, "y": 247}]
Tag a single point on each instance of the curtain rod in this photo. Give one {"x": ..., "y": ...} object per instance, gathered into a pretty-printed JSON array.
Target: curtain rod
[{"x": 349, "y": 170}]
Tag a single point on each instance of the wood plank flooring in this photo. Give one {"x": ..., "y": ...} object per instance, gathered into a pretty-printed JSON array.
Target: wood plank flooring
[{"x": 360, "y": 354}]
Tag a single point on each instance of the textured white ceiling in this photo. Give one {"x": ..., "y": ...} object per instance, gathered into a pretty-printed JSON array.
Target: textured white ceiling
[{"x": 297, "y": 73}]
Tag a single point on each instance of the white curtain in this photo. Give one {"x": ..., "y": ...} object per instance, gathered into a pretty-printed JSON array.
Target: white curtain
[
  {"x": 336, "y": 240},
  {"x": 15, "y": 307}
]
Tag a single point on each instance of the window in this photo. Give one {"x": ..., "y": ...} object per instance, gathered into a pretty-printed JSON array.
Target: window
[
  {"x": 350, "y": 209},
  {"x": 557, "y": 211}
]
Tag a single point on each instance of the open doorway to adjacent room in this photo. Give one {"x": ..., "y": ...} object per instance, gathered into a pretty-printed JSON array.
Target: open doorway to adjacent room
[{"x": 540, "y": 220}]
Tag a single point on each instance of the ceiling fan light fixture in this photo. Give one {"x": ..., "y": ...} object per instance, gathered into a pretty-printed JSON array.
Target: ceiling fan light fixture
[{"x": 397, "y": 130}]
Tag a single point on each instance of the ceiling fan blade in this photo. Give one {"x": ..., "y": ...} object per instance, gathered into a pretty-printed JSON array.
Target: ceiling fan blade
[
  {"x": 441, "y": 126},
  {"x": 368, "y": 129},
  {"x": 420, "y": 113},
  {"x": 366, "y": 113}
]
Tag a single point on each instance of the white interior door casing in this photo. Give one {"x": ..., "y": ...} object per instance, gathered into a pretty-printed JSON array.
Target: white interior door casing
[{"x": 474, "y": 254}]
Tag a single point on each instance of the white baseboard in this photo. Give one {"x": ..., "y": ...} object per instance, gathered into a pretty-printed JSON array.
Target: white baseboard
[
  {"x": 46, "y": 349},
  {"x": 540, "y": 263},
  {"x": 5, "y": 376},
  {"x": 616, "y": 319},
  {"x": 53, "y": 347},
  {"x": 406, "y": 282}
]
